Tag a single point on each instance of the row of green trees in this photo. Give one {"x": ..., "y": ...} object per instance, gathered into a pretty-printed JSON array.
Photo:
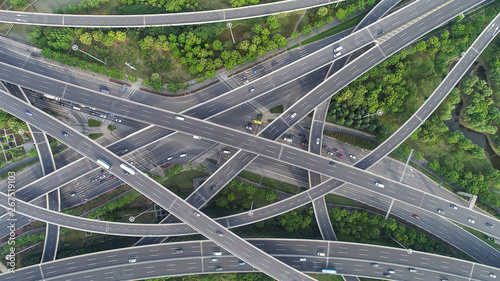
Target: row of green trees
[
  {"x": 12, "y": 122},
  {"x": 83, "y": 7},
  {"x": 112, "y": 205},
  {"x": 168, "y": 5},
  {"x": 228, "y": 197},
  {"x": 360, "y": 226},
  {"x": 477, "y": 183},
  {"x": 480, "y": 113}
]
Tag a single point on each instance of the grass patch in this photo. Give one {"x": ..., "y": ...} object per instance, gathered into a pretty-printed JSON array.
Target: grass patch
[
  {"x": 259, "y": 116},
  {"x": 19, "y": 168},
  {"x": 353, "y": 140},
  {"x": 277, "y": 109},
  {"x": 334, "y": 30},
  {"x": 270, "y": 120},
  {"x": 250, "y": 176},
  {"x": 111, "y": 128},
  {"x": 2, "y": 159},
  {"x": 95, "y": 136},
  {"x": 480, "y": 235},
  {"x": 339, "y": 200},
  {"x": 83, "y": 208},
  {"x": 183, "y": 181},
  {"x": 325, "y": 277},
  {"x": 94, "y": 123},
  {"x": 285, "y": 187}
]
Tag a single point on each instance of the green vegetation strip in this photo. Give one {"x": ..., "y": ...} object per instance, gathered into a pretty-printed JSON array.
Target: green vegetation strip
[
  {"x": 285, "y": 187},
  {"x": 334, "y": 30},
  {"x": 339, "y": 200},
  {"x": 94, "y": 123},
  {"x": 277, "y": 109},
  {"x": 95, "y": 136},
  {"x": 18, "y": 168},
  {"x": 250, "y": 176},
  {"x": 353, "y": 140}
]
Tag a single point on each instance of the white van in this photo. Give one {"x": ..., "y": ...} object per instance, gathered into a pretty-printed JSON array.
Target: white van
[
  {"x": 321, "y": 254},
  {"x": 76, "y": 108},
  {"x": 183, "y": 155},
  {"x": 226, "y": 151},
  {"x": 217, "y": 253},
  {"x": 196, "y": 137},
  {"x": 178, "y": 117},
  {"x": 132, "y": 260},
  {"x": 379, "y": 184}
]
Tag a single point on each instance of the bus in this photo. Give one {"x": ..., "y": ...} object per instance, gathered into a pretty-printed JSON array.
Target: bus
[
  {"x": 328, "y": 271},
  {"x": 128, "y": 169},
  {"x": 103, "y": 164}
]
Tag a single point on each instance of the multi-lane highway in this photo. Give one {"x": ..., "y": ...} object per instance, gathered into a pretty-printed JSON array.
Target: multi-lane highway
[
  {"x": 385, "y": 47},
  {"x": 154, "y": 191},
  {"x": 197, "y": 257},
  {"x": 258, "y": 145},
  {"x": 117, "y": 21},
  {"x": 48, "y": 164}
]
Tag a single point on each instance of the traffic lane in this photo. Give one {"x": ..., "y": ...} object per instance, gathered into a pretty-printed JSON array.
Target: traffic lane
[
  {"x": 377, "y": 12},
  {"x": 404, "y": 16},
  {"x": 323, "y": 219},
  {"x": 31, "y": 18},
  {"x": 50, "y": 245}
]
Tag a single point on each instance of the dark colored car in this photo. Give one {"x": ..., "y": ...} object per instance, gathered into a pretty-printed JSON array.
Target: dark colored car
[
  {"x": 302, "y": 135},
  {"x": 103, "y": 181},
  {"x": 331, "y": 163},
  {"x": 61, "y": 103},
  {"x": 273, "y": 63},
  {"x": 325, "y": 147},
  {"x": 112, "y": 177}
]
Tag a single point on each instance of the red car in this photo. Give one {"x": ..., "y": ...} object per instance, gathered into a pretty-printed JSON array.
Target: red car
[
  {"x": 415, "y": 216},
  {"x": 340, "y": 155},
  {"x": 325, "y": 147},
  {"x": 335, "y": 150},
  {"x": 112, "y": 176}
]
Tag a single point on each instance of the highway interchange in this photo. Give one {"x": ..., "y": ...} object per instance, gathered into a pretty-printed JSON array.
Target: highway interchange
[{"x": 70, "y": 93}]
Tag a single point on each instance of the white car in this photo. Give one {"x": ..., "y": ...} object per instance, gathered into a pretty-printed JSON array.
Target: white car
[
  {"x": 412, "y": 270},
  {"x": 302, "y": 259},
  {"x": 374, "y": 264},
  {"x": 337, "y": 54},
  {"x": 178, "y": 117},
  {"x": 352, "y": 156},
  {"x": 492, "y": 275},
  {"x": 317, "y": 140},
  {"x": 293, "y": 115},
  {"x": 471, "y": 220},
  {"x": 132, "y": 260},
  {"x": 330, "y": 153},
  {"x": 379, "y": 184},
  {"x": 183, "y": 155},
  {"x": 441, "y": 212}
]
